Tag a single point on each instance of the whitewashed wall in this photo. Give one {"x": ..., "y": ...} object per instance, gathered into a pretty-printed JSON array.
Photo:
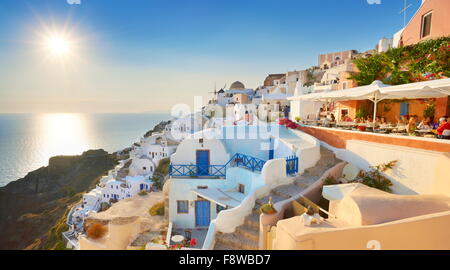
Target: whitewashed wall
[{"x": 417, "y": 172}]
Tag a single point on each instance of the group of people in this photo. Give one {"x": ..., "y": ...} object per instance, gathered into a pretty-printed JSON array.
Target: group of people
[{"x": 412, "y": 124}]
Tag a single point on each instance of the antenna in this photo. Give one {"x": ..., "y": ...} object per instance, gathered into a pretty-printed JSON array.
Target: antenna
[{"x": 406, "y": 6}]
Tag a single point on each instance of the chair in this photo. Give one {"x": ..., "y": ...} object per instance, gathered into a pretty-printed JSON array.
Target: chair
[
  {"x": 446, "y": 134},
  {"x": 188, "y": 235}
]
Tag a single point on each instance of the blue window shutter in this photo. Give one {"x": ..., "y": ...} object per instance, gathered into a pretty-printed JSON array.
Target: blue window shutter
[{"x": 404, "y": 108}]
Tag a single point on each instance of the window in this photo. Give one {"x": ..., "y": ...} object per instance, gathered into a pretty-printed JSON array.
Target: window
[
  {"x": 426, "y": 25},
  {"x": 182, "y": 207},
  {"x": 241, "y": 188},
  {"x": 144, "y": 168},
  {"x": 404, "y": 108},
  {"x": 219, "y": 208}
]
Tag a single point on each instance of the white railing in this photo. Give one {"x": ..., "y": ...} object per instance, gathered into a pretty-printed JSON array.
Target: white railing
[
  {"x": 169, "y": 233},
  {"x": 210, "y": 239},
  {"x": 67, "y": 235}
]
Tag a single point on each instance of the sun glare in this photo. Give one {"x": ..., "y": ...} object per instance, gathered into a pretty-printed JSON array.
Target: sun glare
[{"x": 58, "y": 45}]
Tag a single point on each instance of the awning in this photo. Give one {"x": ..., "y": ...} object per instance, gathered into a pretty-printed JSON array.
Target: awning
[
  {"x": 378, "y": 91},
  {"x": 358, "y": 93},
  {"x": 220, "y": 197},
  {"x": 427, "y": 89}
]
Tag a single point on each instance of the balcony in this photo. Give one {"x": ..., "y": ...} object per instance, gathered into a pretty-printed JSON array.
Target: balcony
[{"x": 220, "y": 171}]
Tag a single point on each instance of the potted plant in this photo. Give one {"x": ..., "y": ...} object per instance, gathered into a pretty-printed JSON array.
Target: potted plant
[{"x": 268, "y": 208}]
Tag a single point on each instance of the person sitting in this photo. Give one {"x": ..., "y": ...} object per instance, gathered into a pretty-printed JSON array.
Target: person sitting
[
  {"x": 319, "y": 114},
  {"x": 346, "y": 118},
  {"x": 326, "y": 121},
  {"x": 444, "y": 128},
  {"x": 383, "y": 121},
  {"x": 333, "y": 119},
  {"x": 412, "y": 124},
  {"x": 402, "y": 121},
  {"x": 425, "y": 124}
]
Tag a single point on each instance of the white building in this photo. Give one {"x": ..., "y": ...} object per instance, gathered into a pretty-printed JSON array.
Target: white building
[
  {"x": 385, "y": 44},
  {"x": 301, "y": 108},
  {"x": 204, "y": 178},
  {"x": 119, "y": 190},
  {"x": 216, "y": 175},
  {"x": 183, "y": 127}
]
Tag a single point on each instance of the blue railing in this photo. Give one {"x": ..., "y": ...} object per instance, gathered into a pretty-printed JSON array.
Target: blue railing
[
  {"x": 248, "y": 162},
  {"x": 238, "y": 160},
  {"x": 197, "y": 170},
  {"x": 291, "y": 165}
]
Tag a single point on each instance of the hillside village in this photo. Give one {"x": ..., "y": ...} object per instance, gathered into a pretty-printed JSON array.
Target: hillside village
[{"x": 323, "y": 158}]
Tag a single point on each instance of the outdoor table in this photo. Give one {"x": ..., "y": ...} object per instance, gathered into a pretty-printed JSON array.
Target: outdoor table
[
  {"x": 424, "y": 131},
  {"x": 177, "y": 238}
]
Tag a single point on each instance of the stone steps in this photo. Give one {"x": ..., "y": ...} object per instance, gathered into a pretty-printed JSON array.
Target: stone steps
[
  {"x": 249, "y": 232},
  {"x": 246, "y": 236},
  {"x": 265, "y": 200},
  {"x": 236, "y": 241},
  {"x": 220, "y": 246},
  {"x": 306, "y": 181},
  {"x": 287, "y": 191},
  {"x": 253, "y": 220}
]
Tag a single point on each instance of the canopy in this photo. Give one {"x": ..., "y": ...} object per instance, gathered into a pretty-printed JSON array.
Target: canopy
[
  {"x": 378, "y": 91},
  {"x": 220, "y": 197},
  {"x": 358, "y": 93},
  {"x": 426, "y": 89}
]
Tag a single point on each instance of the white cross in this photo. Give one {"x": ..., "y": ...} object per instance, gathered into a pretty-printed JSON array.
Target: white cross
[{"x": 404, "y": 12}]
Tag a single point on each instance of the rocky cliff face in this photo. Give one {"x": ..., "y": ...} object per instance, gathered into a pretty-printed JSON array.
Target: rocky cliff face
[
  {"x": 32, "y": 207},
  {"x": 157, "y": 129}
]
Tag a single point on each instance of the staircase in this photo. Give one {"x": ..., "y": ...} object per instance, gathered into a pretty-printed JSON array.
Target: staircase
[{"x": 246, "y": 236}]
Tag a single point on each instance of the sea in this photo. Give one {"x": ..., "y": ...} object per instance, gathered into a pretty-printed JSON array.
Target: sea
[{"x": 27, "y": 141}]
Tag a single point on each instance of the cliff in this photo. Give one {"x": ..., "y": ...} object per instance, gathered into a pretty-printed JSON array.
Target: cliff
[
  {"x": 33, "y": 209},
  {"x": 158, "y": 128}
]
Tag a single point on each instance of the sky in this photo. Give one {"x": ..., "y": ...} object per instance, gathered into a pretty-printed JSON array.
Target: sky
[{"x": 148, "y": 55}]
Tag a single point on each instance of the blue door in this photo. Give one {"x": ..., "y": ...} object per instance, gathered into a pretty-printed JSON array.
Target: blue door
[
  {"x": 271, "y": 150},
  {"x": 202, "y": 213},
  {"x": 202, "y": 159}
]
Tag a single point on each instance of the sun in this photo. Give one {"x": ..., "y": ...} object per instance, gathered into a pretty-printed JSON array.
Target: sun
[{"x": 58, "y": 45}]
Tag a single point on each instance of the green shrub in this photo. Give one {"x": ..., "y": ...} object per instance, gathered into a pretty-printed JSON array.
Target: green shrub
[
  {"x": 268, "y": 209},
  {"x": 163, "y": 166},
  {"x": 158, "y": 181},
  {"x": 375, "y": 178},
  {"x": 143, "y": 193},
  {"x": 329, "y": 181},
  {"x": 420, "y": 62},
  {"x": 157, "y": 209}
]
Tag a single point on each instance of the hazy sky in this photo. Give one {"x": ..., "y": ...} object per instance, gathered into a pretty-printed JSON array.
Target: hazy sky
[{"x": 147, "y": 55}]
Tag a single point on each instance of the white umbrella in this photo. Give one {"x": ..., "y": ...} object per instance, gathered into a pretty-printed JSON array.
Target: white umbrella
[{"x": 426, "y": 89}]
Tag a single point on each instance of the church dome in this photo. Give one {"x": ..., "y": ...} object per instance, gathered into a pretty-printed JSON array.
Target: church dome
[{"x": 237, "y": 86}]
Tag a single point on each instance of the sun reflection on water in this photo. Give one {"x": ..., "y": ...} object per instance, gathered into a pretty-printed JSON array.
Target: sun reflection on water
[{"x": 65, "y": 134}]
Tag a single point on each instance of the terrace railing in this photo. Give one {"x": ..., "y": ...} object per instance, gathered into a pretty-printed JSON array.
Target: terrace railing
[
  {"x": 238, "y": 160},
  {"x": 247, "y": 162},
  {"x": 197, "y": 170}
]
